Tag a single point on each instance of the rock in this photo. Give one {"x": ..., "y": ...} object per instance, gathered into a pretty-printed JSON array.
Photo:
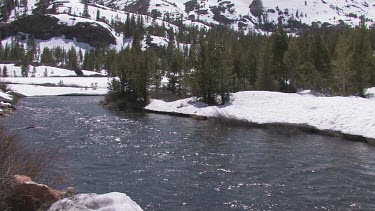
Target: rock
[
  {"x": 198, "y": 117},
  {"x": 46, "y": 27},
  {"x": 89, "y": 202},
  {"x": 6, "y": 108},
  {"x": 28, "y": 195}
]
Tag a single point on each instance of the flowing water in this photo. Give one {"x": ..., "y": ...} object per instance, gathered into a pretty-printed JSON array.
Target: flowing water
[{"x": 172, "y": 163}]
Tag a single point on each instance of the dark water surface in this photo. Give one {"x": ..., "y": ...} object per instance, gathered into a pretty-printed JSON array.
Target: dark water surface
[{"x": 171, "y": 163}]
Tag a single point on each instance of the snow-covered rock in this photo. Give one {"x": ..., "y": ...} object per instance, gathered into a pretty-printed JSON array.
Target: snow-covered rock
[
  {"x": 5, "y": 97},
  {"x": 348, "y": 115},
  {"x": 90, "y": 202}
]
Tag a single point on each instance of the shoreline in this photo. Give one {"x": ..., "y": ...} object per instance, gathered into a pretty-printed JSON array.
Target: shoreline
[
  {"x": 347, "y": 117},
  {"x": 279, "y": 126},
  {"x": 288, "y": 128}
]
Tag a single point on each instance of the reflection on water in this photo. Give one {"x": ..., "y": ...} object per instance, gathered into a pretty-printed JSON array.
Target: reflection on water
[{"x": 170, "y": 163}]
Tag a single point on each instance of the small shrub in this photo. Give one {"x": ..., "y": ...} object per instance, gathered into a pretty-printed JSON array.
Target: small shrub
[{"x": 15, "y": 158}]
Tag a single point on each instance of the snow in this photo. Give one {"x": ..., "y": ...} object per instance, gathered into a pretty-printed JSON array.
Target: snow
[
  {"x": 2, "y": 104},
  {"x": 35, "y": 90},
  {"x": 370, "y": 92},
  {"x": 61, "y": 42},
  {"x": 330, "y": 11},
  {"x": 59, "y": 82},
  {"x": 5, "y": 96},
  {"x": 348, "y": 115},
  {"x": 90, "y": 202},
  {"x": 15, "y": 71}
]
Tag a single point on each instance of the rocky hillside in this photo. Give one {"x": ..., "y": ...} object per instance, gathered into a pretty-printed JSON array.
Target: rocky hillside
[{"x": 253, "y": 14}]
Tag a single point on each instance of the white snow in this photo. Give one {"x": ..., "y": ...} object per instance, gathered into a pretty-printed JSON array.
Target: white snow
[
  {"x": 5, "y": 96},
  {"x": 2, "y": 104},
  {"x": 35, "y": 90},
  {"x": 61, "y": 42},
  {"x": 349, "y": 115},
  {"x": 59, "y": 82},
  {"x": 90, "y": 202},
  {"x": 370, "y": 92},
  {"x": 43, "y": 71}
]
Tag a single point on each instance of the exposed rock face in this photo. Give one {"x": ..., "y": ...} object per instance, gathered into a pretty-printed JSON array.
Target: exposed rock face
[
  {"x": 256, "y": 8},
  {"x": 29, "y": 196},
  {"x": 46, "y": 27}
]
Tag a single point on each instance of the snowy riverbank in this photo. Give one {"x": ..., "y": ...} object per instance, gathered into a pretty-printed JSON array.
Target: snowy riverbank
[
  {"x": 347, "y": 115},
  {"x": 52, "y": 81}
]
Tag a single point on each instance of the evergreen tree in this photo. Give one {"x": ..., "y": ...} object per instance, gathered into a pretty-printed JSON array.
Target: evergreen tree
[
  {"x": 292, "y": 63},
  {"x": 46, "y": 57},
  {"x": 341, "y": 65},
  {"x": 360, "y": 58},
  {"x": 280, "y": 46},
  {"x": 72, "y": 59},
  {"x": 5, "y": 71},
  {"x": 85, "y": 12},
  {"x": 98, "y": 15},
  {"x": 265, "y": 80}
]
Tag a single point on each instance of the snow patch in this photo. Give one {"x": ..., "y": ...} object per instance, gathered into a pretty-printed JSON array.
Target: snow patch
[
  {"x": 5, "y": 96},
  {"x": 90, "y": 202},
  {"x": 349, "y": 115}
]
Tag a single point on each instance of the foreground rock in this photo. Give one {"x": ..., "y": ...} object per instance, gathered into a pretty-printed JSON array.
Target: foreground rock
[
  {"x": 6, "y": 107},
  {"x": 28, "y": 195},
  {"x": 89, "y": 202}
]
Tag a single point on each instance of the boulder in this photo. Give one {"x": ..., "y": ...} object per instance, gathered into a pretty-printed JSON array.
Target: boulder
[
  {"x": 28, "y": 195},
  {"x": 45, "y": 27},
  {"x": 89, "y": 202}
]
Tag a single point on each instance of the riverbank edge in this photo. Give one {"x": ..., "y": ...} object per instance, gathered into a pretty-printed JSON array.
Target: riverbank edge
[{"x": 280, "y": 127}]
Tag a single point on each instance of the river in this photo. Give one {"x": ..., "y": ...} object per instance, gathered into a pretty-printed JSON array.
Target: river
[{"x": 173, "y": 163}]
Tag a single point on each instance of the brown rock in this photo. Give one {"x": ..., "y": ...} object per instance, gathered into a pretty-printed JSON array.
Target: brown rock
[{"x": 28, "y": 195}]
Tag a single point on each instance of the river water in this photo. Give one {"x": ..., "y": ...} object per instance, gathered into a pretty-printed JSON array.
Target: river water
[{"x": 172, "y": 163}]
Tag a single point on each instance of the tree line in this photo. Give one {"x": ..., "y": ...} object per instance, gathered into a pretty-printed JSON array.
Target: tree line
[{"x": 211, "y": 63}]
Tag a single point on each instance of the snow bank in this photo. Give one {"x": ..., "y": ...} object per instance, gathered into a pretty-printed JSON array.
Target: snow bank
[
  {"x": 100, "y": 82},
  {"x": 35, "y": 90},
  {"x": 57, "y": 82},
  {"x": 349, "y": 115},
  {"x": 5, "y": 96},
  {"x": 370, "y": 92},
  {"x": 89, "y": 202}
]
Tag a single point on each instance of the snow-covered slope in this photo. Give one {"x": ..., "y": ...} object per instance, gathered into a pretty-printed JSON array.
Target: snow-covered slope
[{"x": 237, "y": 13}]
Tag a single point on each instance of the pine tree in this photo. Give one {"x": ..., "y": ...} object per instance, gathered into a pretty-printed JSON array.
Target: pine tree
[
  {"x": 5, "y": 71},
  {"x": 46, "y": 57},
  {"x": 85, "y": 12},
  {"x": 33, "y": 73},
  {"x": 223, "y": 67},
  {"x": 292, "y": 63},
  {"x": 360, "y": 58},
  {"x": 322, "y": 63},
  {"x": 341, "y": 65},
  {"x": 265, "y": 79},
  {"x": 98, "y": 15},
  {"x": 72, "y": 59},
  {"x": 127, "y": 27},
  {"x": 280, "y": 46}
]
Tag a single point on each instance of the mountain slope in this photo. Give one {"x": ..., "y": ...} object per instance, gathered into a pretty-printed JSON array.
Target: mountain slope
[
  {"x": 246, "y": 15},
  {"x": 238, "y": 15}
]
